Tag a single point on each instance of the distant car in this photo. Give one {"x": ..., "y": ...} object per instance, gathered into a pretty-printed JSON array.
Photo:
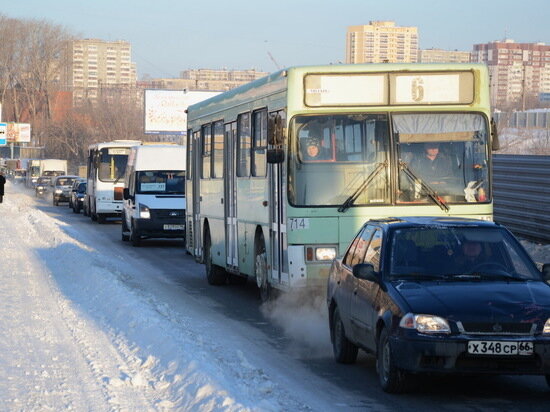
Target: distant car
[
  {"x": 77, "y": 195},
  {"x": 42, "y": 185},
  {"x": 73, "y": 187},
  {"x": 61, "y": 188},
  {"x": 440, "y": 295}
]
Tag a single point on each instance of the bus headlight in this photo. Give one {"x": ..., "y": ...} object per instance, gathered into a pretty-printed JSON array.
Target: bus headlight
[
  {"x": 325, "y": 253},
  {"x": 144, "y": 212}
]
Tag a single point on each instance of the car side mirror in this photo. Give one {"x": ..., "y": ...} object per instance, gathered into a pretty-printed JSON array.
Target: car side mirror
[
  {"x": 275, "y": 156},
  {"x": 546, "y": 272},
  {"x": 365, "y": 271}
]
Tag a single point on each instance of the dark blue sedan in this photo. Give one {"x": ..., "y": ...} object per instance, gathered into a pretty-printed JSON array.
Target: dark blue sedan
[{"x": 440, "y": 295}]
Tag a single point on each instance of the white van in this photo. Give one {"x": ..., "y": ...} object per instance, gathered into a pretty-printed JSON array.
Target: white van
[{"x": 154, "y": 193}]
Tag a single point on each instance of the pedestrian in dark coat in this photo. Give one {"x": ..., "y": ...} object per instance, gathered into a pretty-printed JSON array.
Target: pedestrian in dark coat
[{"x": 2, "y": 183}]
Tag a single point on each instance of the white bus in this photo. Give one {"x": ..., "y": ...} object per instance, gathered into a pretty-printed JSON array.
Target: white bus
[
  {"x": 106, "y": 168},
  {"x": 282, "y": 172}
]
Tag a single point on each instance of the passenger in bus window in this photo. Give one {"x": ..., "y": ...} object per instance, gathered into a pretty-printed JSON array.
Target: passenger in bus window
[{"x": 314, "y": 150}]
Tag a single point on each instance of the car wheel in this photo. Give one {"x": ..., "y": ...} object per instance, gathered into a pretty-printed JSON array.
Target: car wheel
[
  {"x": 344, "y": 350},
  {"x": 215, "y": 275},
  {"x": 134, "y": 237},
  {"x": 392, "y": 379},
  {"x": 124, "y": 229}
]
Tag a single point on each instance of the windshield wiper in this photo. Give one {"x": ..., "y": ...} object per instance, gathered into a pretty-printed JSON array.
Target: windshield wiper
[
  {"x": 430, "y": 192},
  {"x": 497, "y": 276},
  {"x": 353, "y": 197},
  {"x": 417, "y": 276}
]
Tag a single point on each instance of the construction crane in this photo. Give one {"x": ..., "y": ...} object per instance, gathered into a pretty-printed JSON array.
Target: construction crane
[{"x": 273, "y": 60}]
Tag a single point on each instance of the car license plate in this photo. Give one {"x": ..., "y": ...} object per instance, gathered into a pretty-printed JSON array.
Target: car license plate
[
  {"x": 486, "y": 347},
  {"x": 174, "y": 227}
]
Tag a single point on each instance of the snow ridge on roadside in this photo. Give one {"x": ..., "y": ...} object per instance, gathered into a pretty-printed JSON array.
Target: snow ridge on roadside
[{"x": 157, "y": 365}]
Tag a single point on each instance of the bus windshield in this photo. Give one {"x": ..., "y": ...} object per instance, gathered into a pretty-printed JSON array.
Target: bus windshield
[
  {"x": 344, "y": 160},
  {"x": 446, "y": 154},
  {"x": 161, "y": 182},
  {"x": 112, "y": 163},
  {"x": 333, "y": 157}
]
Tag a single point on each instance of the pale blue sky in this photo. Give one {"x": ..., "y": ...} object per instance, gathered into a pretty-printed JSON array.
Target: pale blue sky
[{"x": 169, "y": 36}]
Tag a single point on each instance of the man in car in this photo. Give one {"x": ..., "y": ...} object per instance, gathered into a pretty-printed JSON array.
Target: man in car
[{"x": 471, "y": 255}]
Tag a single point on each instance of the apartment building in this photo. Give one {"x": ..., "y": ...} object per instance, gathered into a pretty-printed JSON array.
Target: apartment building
[
  {"x": 98, "y": 68},
  {"x": 208, "y": 79},
  {"x": 381, "y": 42},
  {"x": 443, "y": 56},
  {"x": 520, "y": 72}
]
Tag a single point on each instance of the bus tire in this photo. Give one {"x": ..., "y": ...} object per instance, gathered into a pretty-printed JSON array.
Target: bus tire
[
  {"x": 215, "y": 275},
  {"x": 260, "y": 270}
]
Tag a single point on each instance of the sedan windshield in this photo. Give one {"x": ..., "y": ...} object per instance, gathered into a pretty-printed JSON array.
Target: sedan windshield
[{"x": 459, "y": 253}]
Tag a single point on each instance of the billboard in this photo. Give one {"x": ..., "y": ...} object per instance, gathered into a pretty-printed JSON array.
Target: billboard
[
  {"x": 18, "y": 133},
  {"x": 3, "y": 133},
  {"x": 165, "y": 109}
]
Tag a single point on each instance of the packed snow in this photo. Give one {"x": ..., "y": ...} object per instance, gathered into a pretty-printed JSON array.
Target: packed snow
[{"x": 78, "y": 334}]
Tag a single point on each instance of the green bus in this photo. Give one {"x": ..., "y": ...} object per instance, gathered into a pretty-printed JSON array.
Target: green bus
[{"x": 283, "y": 171}]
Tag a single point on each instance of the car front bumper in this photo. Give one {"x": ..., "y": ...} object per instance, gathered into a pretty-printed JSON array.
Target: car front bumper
[
  {"x": 160, "y": 228},
  {"x": 449, "y": 354}
]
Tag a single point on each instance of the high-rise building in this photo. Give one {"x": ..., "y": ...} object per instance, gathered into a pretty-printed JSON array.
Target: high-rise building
[
  {"x": 94, "y": 67},
  {"x": 520, "y": 72},
  {"x": 381, "y": 42},
  {"x": 443, "y": 56}
]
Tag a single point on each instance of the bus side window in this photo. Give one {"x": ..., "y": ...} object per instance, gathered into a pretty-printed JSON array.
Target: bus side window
[{"x": 243, "y": 145}]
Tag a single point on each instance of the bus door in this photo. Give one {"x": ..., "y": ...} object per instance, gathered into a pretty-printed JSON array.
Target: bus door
[
  {"x": 196, "y": 201},
  {"x": 277, "y": 210},
  {"x": 230, "y": 196}
]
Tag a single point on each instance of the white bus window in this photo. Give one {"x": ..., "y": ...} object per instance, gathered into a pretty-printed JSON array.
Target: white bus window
[
  {"x": 217, "y": 150},
  {"x": 259, "y": 165},
  {"x": 244, "y": 145},
  {"x": 206, "y": 151}
]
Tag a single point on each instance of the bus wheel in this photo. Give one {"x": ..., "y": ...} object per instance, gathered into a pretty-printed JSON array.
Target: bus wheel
[
  {"x": 215, "y": 275},
  {"x": 260, "y": 270}
]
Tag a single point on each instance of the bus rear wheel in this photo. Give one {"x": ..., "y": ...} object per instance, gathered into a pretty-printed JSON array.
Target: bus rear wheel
[
  {"x": 215, "y": 275},
  {"x": 260, "y": 270}
]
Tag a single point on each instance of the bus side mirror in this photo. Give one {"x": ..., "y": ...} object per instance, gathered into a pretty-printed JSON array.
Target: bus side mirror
[
  {"x": 495, "y": 143},
  {"x": 275, "y": 156},
  {"x": 126, "y": 194}
]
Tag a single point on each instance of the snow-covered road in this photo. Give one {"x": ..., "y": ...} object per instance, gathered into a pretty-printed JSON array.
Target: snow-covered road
[
  {"x": 76, "y": 336},
  {"x": 89, "y": 323}
]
